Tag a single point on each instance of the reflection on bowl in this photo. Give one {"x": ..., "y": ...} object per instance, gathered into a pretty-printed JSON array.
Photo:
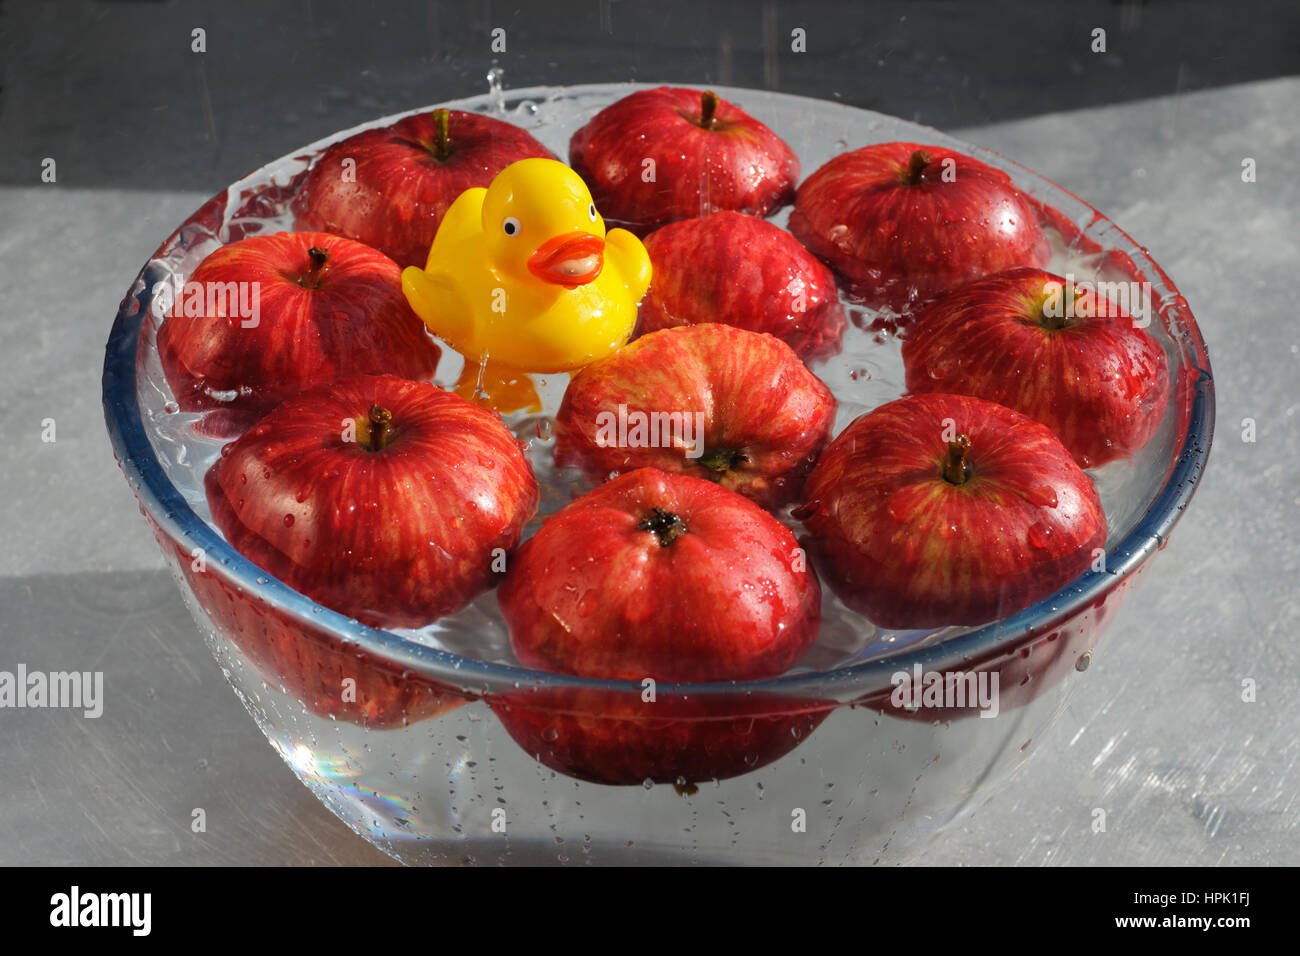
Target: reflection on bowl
[{"x": 439, "y": 749}]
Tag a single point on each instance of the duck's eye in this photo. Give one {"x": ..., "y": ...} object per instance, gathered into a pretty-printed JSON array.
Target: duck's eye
[
  {"x": 511, "y": 226},
  {"x": 591, "y": 212}
]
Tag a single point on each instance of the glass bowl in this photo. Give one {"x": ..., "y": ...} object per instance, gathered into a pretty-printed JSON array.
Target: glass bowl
[{"x": 439, "y": 755}]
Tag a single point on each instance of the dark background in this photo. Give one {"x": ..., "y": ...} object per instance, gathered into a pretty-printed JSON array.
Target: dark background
[{"x": 114, "y": 93}]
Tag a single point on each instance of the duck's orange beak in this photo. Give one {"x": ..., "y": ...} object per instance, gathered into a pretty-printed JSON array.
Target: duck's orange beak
[{"x": 571, "y": 260}]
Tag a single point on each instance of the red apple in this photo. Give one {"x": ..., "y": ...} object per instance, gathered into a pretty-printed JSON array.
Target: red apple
[
  {"x": 669, "y": 578},
  {"x": 711, "y": 401},
  {"x": 743, "y": 271},
  {"x": 330, "y": 678},
  {"x": 384, "y": 499},
  {"x": 622, "y": 739},
  {"x": 901, "y": 222},
  {"x": 662, "y": 576},
  {"x": 264, "y": 318},
  {"x": 660, "y": 155},
  {"x": 389, "y": 187},
  {"x": 940, "y": 510},
  {"x": 1058, "y": 352}
]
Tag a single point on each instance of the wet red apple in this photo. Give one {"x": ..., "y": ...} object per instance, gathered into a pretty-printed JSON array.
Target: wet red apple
[
  {"x": 664, "y": 578},
  {"x": 901, "y": 222},
  {"x": 390, "y": 187},
  {"x": 1056, "y": 351},
  {"x": 938, "y": 510},
  {"x": 742, "y": 271},
  {"x": 710, "y": 401},
  {"x": 623, "y": 739},
  {"x": 328, "y": 677},
  {"x": 267, "y": 317},
  {"x": 659, "y": 155},
  {"x": 384, "y": 499}
]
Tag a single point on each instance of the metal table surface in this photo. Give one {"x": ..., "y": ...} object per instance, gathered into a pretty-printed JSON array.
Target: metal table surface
[{"x": 1158, "y": 734}]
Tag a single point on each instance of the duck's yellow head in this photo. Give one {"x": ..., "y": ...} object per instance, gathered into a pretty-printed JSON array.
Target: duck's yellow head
[{"x": 540, "y": 223}]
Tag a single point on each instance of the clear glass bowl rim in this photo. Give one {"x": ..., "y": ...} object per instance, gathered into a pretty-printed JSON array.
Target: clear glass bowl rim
[{"x": 168, "y": 509}]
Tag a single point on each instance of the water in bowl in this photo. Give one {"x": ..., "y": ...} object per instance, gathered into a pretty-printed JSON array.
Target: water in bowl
[{"x": 428, "y": 792}]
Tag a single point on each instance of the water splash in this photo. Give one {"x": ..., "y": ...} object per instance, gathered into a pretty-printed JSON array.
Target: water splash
[
  {"x": 480, "y": 388},
  {"x": 496, "y": 96}
]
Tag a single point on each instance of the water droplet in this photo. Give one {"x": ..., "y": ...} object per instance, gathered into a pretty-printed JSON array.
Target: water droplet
[
  {"x": 898, "y": 509},
  {"x": 1039, "y": 535},
  {"x": 550, "y": 734},
  {"x": 1044, "y": 496},
  {"x": 288, "y": 521}
]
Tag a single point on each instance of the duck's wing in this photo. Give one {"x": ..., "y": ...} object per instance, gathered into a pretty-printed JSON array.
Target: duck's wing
[
  {"x": 463, "y": 221},
  {"x": 630, "y": 259},
  {"x": 440, "y": 302},
  {"x": 435, "y": 292}
]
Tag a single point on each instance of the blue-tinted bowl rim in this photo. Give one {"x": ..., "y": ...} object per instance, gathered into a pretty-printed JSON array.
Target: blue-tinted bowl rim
[{"x": 169, "y": 510}]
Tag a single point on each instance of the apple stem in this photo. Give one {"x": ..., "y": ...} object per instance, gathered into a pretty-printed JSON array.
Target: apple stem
[
  {"x": 723, "y": 460},
  {"x": 708, "y": 108},
  {"x": 916, "y": 167},
  {"x": 1053, "y": 323},
  {"x": 380, "y": 419},
  {"x": 442, "y": 145},
  {"x": 956, "y": 469},
  {"x": 319, "y": 257},
  {"x": 664, "y": 525}
]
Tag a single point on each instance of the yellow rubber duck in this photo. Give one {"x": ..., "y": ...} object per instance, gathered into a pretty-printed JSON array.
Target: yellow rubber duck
[{"x": 522, "y": 277}]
